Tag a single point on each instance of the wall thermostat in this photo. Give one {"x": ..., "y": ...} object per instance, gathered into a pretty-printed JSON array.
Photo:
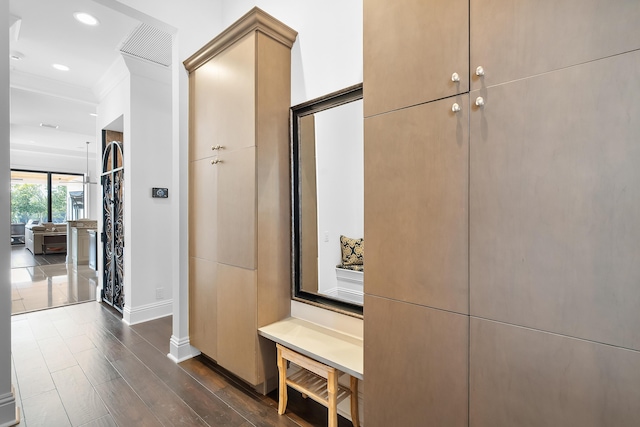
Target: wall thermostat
[{"x": 160, "y": 192}]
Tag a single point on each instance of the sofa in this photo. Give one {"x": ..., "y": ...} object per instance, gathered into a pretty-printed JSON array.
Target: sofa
[{"x": 34, "y": 236}]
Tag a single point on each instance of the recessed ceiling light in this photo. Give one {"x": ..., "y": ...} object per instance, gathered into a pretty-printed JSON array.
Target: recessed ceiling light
[
  {"x": 86, "y": 19},
  {"x": 93, "y": 114},
  {"x": 60, "y": 67},
  {"x": 47, "y": 125}
]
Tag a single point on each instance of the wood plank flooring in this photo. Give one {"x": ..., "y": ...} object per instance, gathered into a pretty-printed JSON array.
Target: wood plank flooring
[{"x": 80, "y": 365}]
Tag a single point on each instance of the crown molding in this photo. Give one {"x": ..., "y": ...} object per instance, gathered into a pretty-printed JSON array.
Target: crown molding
[
  {"x": 254, "y": 20},
  {"x": 111, "y": 78}
]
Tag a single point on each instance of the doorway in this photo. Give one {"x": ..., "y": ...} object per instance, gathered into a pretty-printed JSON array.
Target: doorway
[{"x": 113, "y": 219}]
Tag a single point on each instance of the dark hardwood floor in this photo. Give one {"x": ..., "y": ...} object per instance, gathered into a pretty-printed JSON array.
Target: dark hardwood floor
[{"x": 80, "y": 365}]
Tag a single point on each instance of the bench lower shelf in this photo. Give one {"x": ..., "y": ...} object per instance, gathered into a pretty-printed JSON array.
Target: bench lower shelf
[{"x": 317, "y": 381}]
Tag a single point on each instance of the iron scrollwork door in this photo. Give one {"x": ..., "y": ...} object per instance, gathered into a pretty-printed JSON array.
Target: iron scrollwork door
[{"x": 113, "y": 231}]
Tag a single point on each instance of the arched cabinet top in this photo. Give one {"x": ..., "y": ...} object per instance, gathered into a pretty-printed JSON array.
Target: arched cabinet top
[{"x": 254, "y": 20}]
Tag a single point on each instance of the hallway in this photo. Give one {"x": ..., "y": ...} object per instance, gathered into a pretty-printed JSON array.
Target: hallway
[{"x": 80, "y": 365}]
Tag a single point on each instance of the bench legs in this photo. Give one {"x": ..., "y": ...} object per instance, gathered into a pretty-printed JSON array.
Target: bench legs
[
  {"x": 355, "y": 414},
  {"x": 282, "y": 375},
  {"x": 333, "y": 389}
]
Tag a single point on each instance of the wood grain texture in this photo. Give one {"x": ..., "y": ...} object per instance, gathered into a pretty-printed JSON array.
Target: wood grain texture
[
  {"x": 416, "y": 166},
  {"x": 203, "y": 209},
  {"x": 208, "y": 406},
  {"x": 201, "y": 112},
  {"x": 81, "y": 402},
  {"x": 45, "y": 409},
  {"x": 203, "y": 297},
  {"x": 233, "y": 99},
  {"x": 96, "y": 367},
  {"x": 411, "y": 49},
  {"x": 273, "y": 98},
  {"x": 125, "y": 406},
  {"x": 308, "y": 205},
  {"x": 146, "y": 381},
  {"x": 240, "y": 98},
  {"x": 416, "y": 365},
  {"x": 236, "y": 208},
  {"x": 237, "y": 332},
  {"x": 168, "y": 407},
  {"x": 507, "y": 38},
  {"x": 555, "y": 201},
  {"x": 526, "y": 378}
]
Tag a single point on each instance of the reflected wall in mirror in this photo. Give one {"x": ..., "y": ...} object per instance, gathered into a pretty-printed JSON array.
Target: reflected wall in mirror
[{"x": 328, "y": 201}]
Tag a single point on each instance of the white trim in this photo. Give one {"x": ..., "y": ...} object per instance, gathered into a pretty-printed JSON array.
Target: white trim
[
  {"x": 181, "y": 349},
  {"x": 9, "y": 409},
  {"x": 145, "y": 313}
]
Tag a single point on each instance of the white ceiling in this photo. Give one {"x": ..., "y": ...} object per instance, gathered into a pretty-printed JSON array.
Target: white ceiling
[{"x": 47, "y": 33}]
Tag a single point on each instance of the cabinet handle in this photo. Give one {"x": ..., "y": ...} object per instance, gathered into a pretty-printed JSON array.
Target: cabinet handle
[
  {"x": 216, "y": 147},
  {"x": 216, "y": 161},
  {"x": 455, "y": 77},
  {"x": 480, "y": 101},
  {"x": 455, "y": 107},
  {"x": 479, "y": 71}
]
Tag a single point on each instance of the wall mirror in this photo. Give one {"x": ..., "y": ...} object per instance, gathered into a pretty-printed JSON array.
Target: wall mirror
[{"x": 327, "y": 165}]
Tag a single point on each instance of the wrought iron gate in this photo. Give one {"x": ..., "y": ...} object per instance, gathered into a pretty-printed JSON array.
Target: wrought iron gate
[{"x": 113, "y": 227}]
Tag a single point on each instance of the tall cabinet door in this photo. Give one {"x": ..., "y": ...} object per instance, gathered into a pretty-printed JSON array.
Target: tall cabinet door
[
  {"x": 555, "y": 202},
  {"x": 411, "y": 50},
  {"x": 233, "y": 100},
  {"x": 416, "y": 174},
  {"x": 203, "y": 200},
  {"x": 236, "y": 310},
  {"x": 237, "y": 208},
  {"x": 513, "y": 40}
]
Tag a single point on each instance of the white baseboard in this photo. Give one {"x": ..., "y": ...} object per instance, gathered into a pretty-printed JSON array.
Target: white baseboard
[
  {"x": 144, "y": 313},
  {"x": 9, "y": 412},
  {"x": 180, "y": 349}
]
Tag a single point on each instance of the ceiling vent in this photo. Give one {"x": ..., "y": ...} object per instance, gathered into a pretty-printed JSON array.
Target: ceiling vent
[{"x": 149, "y": 43}]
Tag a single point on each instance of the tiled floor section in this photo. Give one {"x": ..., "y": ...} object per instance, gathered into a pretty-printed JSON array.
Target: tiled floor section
[
  {"x": 22, "y": 257},
  {"x": 44, "y": 285},
  {"x": 80, "y": 365}
]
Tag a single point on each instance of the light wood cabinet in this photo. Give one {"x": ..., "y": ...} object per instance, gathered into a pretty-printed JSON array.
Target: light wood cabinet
[
  {"x": 239, "y": 221},
  {"x": 514, "y": 40},
  {"x": 416, "y": 204},
  {"x": 551, "y": 215},
  {"x": 555, "y": 202},
  {"x": 411, "y": 50}
]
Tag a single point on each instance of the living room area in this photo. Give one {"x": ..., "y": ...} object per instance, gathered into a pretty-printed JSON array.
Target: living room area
[{"x": 53, "y": 249}]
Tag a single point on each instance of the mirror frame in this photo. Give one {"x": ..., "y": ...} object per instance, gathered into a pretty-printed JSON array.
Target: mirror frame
[{"x": 332, "y": 100}]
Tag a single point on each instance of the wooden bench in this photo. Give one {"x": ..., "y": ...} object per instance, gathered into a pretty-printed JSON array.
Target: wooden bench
[{"x": 322, "y": 355}]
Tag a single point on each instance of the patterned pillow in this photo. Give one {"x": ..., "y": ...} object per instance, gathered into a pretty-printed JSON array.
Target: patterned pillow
[{"x": 352, "y": 251}]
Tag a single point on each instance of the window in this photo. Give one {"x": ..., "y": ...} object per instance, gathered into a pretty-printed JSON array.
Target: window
[{"x": 46, "y": 196}]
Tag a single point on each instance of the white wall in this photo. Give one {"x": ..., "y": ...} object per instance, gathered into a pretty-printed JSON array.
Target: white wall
[
  {"x": 7, "y": 399},
  {"x": 148, "y": 221},
  {"x": 22, "y": 159},
  {"x": 115, "y": 104},
  {"x": 141, "y": 95},
  {"x": 340, "y": 185},
  {"x": 327, "y": 55}
]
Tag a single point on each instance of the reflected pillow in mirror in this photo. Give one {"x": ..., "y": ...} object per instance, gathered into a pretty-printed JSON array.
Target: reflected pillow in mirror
[{"x": 352, "y": 251}]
